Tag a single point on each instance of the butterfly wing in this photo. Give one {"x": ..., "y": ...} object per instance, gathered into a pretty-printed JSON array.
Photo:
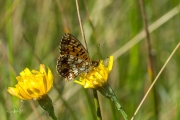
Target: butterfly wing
[{"x": 74, "y": 58}]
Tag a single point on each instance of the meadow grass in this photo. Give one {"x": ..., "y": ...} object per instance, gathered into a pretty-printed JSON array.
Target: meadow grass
[{"x": 30, "y": 32}]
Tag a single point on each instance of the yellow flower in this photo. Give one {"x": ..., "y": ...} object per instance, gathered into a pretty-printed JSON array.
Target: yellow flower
[
  {"x": 32, "y": 84},
  {"x": 97, "y": 76}
]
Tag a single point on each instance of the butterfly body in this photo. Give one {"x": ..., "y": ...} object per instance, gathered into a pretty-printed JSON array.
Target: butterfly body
[{"x": 74, "y": 58}]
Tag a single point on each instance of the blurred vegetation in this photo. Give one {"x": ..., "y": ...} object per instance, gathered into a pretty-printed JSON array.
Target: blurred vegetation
[{"x": 30, "y": 32}]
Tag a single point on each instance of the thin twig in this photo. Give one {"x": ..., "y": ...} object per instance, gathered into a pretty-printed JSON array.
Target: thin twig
[
  {"x": 97, "y": 106},
  {"x": 96, "y": 100},
  {"x": 93, "y": 30},
  {"x": 165, "y": 18},
  {"x": 145, "y": 96},
  {"x": 150, "y": 58},
  {"x": 81, "y": 26}
]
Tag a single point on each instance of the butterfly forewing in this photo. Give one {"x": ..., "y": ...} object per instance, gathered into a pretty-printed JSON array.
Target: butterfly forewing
[
  {"x": 73, "y": 59},
  {"x": 69, "y": 45}
]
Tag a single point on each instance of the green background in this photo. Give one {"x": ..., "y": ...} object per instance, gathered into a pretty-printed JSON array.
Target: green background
[{"x": 30, "y": 32}]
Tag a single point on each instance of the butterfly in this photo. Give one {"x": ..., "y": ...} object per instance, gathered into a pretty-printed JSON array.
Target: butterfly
[{"x": 74, "y": 58}]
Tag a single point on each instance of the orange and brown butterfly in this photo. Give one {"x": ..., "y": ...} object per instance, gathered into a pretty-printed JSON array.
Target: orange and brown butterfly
[{"x": 74, "y": 58}]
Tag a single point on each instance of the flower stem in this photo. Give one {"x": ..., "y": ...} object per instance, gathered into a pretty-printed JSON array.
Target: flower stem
[
  {"x": 46, "y": 103},
  {"x": 96, "y": 102},
  {"x": 108, "y": 92}
]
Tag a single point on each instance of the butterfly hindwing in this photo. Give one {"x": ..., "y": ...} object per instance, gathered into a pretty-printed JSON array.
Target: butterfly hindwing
[{"x": 74, "y": 58}]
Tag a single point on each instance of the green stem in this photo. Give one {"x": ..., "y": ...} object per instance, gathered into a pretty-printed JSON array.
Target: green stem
[
  {"x": 96, "y": 102},
  {"x": 150, "y": 59},
  {"x": 108, "y": 92},
  {"x": 46, "y": 103},
  {"x": 90, "y": 104}
]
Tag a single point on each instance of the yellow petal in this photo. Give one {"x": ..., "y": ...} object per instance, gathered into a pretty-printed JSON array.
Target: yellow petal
[
  {"x": 14, "y": 91},
  {"x": 111, "y": 58},
  {"x": 97, "y": 76},
  {"x": 32, "y": 84},
  {"x": 25, "y": 72},
  {"x": 49, "y": 79},
  {"x": 42, "y": 68}
]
